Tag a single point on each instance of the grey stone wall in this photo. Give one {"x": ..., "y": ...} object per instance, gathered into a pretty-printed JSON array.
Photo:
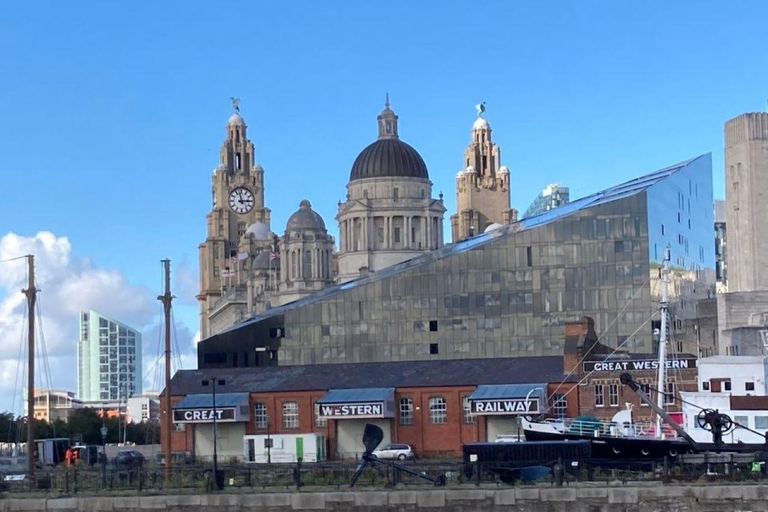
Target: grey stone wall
[{"x": 649, "y": 498}]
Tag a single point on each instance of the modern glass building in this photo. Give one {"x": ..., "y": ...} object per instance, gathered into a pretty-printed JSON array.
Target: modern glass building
[
  {"x": 509, "y": 292},
  {"x": 550, "y": 198},
  {"x": 108, "y": 359}
]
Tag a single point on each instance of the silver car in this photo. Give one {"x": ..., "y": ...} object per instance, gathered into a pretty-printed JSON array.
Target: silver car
[{"x": 395, "y": 451}]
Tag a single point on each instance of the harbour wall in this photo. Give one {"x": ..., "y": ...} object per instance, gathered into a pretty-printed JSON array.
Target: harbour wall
[{"x": 657, "y": 498}]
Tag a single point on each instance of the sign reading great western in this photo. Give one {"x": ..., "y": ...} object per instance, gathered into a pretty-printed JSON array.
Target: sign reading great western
[
  {"x": 204, "y": 415},
  {"x": 505, "y": 406},
  {"x": 639, "y": 365},
  {"x": 361, "y": 410}
]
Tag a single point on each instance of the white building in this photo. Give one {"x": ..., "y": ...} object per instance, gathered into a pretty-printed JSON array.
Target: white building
[
  {"x": 108, "y": 359},
  {"x": 143, "y": 408},
  {"x": 736, "y": 386}
]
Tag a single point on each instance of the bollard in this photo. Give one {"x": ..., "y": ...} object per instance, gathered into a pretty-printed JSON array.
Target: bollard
[{"x": 558, "y": 472}]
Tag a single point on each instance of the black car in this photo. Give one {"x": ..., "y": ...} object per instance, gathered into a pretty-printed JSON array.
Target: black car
[{"x": 129, "y": 458}]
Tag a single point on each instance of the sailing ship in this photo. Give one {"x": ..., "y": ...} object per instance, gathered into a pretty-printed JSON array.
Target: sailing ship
[{"x": 623, "y": 438}]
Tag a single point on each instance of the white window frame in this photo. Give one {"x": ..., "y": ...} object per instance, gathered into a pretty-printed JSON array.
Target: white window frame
[
  {"x": 438, "y": 410},
  {"x": 613, "y": 395},
  {"x": 466, "y": 408},
  {"x": 260, "y": 415},
  {"x": 406, "y": 411},
  {"x": 599, "y": 394},
  {"x": 291, "y": 414}
]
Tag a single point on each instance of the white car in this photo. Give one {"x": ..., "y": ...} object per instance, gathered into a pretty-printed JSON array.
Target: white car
[{"x": 394, "y": 451}]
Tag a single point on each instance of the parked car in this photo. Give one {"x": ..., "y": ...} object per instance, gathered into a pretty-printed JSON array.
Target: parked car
[
  {"x": 130, "y": 458},
  {"x": 177, "y": 458},
  {"x": 394, "y": 451}
]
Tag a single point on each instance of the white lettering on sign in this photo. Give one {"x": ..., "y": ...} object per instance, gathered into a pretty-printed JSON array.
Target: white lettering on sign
[
  {"x": 519, "y": 406},
  {"x": 203, "y": 415},
  {"x": 371, "y": 410},
  {"x": 649, "y": 365}
]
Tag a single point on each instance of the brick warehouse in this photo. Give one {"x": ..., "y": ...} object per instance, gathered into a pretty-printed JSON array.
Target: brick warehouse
[
  {"x": 434, "y": 406},
  {"x": 598, "y": 367}
]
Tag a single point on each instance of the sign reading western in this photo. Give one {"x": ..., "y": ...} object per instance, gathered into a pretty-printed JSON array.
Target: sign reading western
[
  {"x": 203, "y": 415},
  {"x": 362, "y": 410},
  {"x": 505, "y": 406},
  {"x": 638, "y": 365}
]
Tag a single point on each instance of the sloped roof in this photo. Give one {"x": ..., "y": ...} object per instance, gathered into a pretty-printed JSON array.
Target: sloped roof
[{"x": 324, "y": 377}]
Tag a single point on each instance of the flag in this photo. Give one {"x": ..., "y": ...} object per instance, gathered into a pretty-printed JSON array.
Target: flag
[
  {"x": 273, "y": 255},
  {"x": 242, "y": 255},
  {"x": 233, "y": 259}
]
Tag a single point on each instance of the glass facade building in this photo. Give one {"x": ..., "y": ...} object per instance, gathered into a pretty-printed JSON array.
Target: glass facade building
[
  {"x": 509, "y": 292},
  {"x": 108, "y": 359},
  {"x": 550, "y": 198}
]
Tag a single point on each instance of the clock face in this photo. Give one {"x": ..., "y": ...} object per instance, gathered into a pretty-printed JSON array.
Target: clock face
[{"x": 241, "y": 200}]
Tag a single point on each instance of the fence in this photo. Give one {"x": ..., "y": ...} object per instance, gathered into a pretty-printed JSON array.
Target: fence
[{"x": 146, "y": 478}]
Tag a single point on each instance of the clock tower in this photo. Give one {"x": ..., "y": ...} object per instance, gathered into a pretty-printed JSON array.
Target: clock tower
[{"x": 237, "y": 211}]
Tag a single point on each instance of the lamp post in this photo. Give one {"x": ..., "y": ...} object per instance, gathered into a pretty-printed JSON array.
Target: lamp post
[
  {"x": 213, "y": 383},
  {"x": 103, "y": 453}
]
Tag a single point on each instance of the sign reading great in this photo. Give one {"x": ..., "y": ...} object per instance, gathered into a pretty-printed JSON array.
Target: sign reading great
[
  {"x": 357, "y": 410},
  {"x": 204, "y": 415},
  {"x": 505, "y": 406},
  {"x": 639, "y": 365}
]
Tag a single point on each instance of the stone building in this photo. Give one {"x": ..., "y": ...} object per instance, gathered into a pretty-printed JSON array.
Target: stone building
[
  {"x": 389, "y": 214},
  {"x": 509, "y": 292},
  {"x": 307, "y": 253},
  {"x": 743, "y": 310},
  {"x": 482, "y": 187},
  {"x": 237, "y": 189}
]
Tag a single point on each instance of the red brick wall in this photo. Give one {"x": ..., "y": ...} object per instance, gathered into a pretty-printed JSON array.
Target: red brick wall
[{"x": 429, "y": 439}]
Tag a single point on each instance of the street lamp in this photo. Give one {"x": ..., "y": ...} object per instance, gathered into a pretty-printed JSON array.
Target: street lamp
[
  {"x": 213, "y": 383},
  {"x": 103, "y": 453}
]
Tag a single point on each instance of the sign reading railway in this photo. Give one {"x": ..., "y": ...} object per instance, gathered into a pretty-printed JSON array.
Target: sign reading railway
[
  {"x": 501, "y": 407},
  {"x": 358, "y": 410}
]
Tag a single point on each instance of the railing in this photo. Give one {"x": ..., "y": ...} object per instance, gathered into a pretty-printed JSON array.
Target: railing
[
  {"x": 612, "y": 429},
  {"x": 335, "y": 475}
]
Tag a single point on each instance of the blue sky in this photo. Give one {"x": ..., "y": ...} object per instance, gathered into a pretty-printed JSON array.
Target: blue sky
[{"x": 112, "y": 113}]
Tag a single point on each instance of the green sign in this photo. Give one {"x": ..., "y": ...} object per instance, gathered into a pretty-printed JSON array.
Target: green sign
[{"x": 300, "y": 448}]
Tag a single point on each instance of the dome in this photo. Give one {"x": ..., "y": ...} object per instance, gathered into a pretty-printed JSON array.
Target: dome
[
  {"x": 259, "y": 230},
  {"x": 480, "y": 124},
  {"x": 492, "y": 227},
  {"x": 503, "y": 169},
  {"x": 388, "y": 158},
  {"x": 305, "y": 218},
  {"x": 469, "y": 170},
  {"x": 236, "y": 119}
]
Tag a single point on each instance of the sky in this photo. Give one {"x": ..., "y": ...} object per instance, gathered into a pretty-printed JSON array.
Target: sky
[{"x": 112, "y": 114}]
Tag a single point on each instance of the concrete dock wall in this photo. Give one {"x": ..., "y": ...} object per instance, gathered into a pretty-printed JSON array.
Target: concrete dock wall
[{"x": 666, "y": 498}]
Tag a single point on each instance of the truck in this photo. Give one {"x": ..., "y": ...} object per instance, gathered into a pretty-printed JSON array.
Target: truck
[{"x": 284, "y": 448}]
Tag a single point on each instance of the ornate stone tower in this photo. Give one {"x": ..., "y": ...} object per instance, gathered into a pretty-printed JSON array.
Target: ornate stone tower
[
  {"x": 237, "y": 213},
  {"x": 306, "y": 254},
  {"x": 389, "y": 215},
  {"x": 482, "y": 187}
]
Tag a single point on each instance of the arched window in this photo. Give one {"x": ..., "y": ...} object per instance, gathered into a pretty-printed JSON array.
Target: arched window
[{"x": 406, "y": 411}]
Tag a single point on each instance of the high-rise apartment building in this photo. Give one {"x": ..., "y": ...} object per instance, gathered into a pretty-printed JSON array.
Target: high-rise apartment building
[{"x": 108, "y": 359}]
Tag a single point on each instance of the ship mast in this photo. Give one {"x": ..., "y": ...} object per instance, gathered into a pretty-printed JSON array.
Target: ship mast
[
  {"x": 166, "y": 299},
  {"x": 662, "y": 382},
  {"x": 31, "y": 293}
]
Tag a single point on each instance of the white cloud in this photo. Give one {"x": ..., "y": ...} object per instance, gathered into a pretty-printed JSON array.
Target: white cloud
[{"x": 67, "y": 285}]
